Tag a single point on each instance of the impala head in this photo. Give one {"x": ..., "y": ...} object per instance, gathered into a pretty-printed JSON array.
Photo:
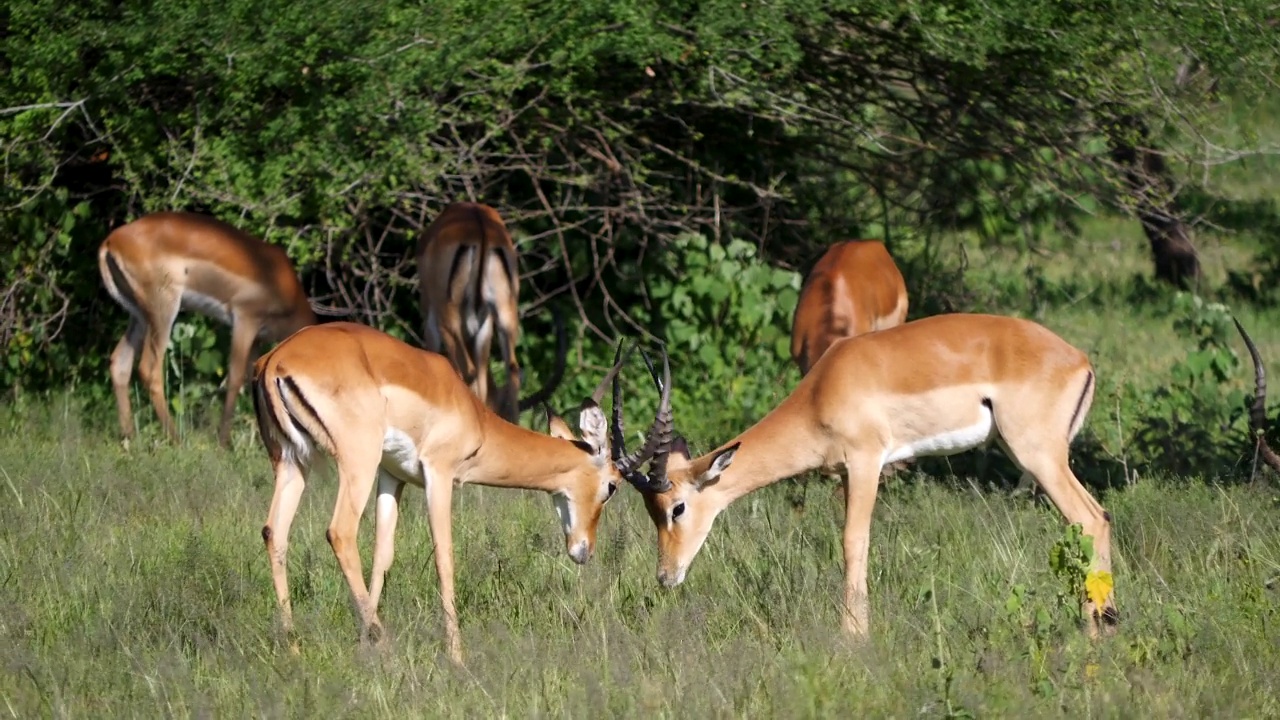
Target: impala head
[
  {"x": 674, "y": 489},
  {"x": 682, "y": 505},
  {"x": 585, "y": 490}
]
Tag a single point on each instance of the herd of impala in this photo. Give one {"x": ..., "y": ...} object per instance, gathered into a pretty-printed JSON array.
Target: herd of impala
[{"x": 875, "y": 390}]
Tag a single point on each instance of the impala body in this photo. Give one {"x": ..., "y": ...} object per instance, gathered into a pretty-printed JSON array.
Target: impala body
[
  {"x": 399, "y": 415},
  {"x": 855, "y": 288},
  {"x": 469, "y": 286},
  {"x": 162, "y": 263},
  {"x": 936, "y": 386}
]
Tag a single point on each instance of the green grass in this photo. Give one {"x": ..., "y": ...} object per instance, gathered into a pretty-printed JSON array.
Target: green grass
[{"x": 136, "y": 584}]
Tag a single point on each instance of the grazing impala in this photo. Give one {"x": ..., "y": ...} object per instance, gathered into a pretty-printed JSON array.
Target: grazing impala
[
  {"x": 469, "y": 286},
  {"x": 170, "y": 261},
  {"x": 383, "y": 409},
  {"x": 935, "y": 386},
  {"x": 854, "y": 289}
]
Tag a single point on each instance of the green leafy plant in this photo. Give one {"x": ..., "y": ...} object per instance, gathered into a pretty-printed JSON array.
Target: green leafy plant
[
  {"x": 727, "y": 314},
  {"x": 1192, "y": 420},
  {"x": 1044, "y": 618},
  {"x": 198, "y": 363}
]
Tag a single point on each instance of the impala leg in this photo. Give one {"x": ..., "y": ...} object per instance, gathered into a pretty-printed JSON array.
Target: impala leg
[
  {"x": 508, "y": 335},
  {"x": 1026, "y": 485},
  {"x": 243, "y": 334},
  {"x": 164, "y": 310},
  {"x": 431, "y": 337},
  {"x": 1078, "y": 506},
  {"x": 356, "y": 472},
  {"x": 386, "y": 512},
  {"x": 1051, "y": 469},
  {"x": 478, "y": 360},
  {"x": 122, "y": 359},
  {"x": 1043, "y": 451},
  {"x": 290, "y": 482},
  {"x": 439, "y": 494},
  {"x": 454, "y": 347},
  {"x": 860, "y": 486}
]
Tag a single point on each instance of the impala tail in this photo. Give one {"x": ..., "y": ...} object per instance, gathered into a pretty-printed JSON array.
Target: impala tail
[
  {"x": 288, "y": 423},
  {"x": 116, "y": 281}
]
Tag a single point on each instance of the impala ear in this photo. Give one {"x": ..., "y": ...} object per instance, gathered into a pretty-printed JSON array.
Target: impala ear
[
  {"x": 557, "y": 427},
  {"x": 594, "y": 427},
  {"x": 718, "y": 465}
]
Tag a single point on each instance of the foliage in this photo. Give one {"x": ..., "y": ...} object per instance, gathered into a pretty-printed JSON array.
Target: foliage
[
  {"x": 727, "y": 317},
  {"x": 604, "y": 131},
  {"x": 1194, "y": 419},
  {"x": 44, "y": 285}
]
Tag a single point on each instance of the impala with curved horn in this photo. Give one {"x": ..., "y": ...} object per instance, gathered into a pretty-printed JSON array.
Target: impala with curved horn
[
  {"x": 165, "y": 262},
  {"x": 469, "y": 287},
  {"x": 936, "y": 386},
  {"x": 385, "y": 410},
  {"x": 855, "y": 288},
  {"x": 1258, "y": 408}
]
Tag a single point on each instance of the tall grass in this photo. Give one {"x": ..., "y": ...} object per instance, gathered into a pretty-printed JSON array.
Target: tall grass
[{"x": 136, "y": 584}]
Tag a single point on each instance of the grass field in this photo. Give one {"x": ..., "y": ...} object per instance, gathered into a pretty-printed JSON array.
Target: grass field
[{"x": 135, "y": 583}]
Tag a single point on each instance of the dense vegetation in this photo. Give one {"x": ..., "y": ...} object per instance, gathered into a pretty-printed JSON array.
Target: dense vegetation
[
  {"x": 611, "y": 134},
  {"x": 1109, "y": 169}
]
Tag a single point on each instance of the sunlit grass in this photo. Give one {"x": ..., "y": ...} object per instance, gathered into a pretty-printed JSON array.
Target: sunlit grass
[{"x": 136, "y": 583}]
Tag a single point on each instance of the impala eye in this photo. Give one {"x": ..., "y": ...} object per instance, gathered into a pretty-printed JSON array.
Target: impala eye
[{"x": 677, "y": 511}]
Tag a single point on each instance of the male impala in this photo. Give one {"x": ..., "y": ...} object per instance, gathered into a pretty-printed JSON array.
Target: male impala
[
  {"x": 854, "y": 289},
  {"x": 469, "y": 286},
  {"x": 935, "y": 386},
  {"x": 384, "y": 409},
  {"x": 167, "y": 261}
]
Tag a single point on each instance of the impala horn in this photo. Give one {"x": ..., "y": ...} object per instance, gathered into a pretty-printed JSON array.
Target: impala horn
[
  {"x": 617, "y": 433},
  {"x": 597, "y": 395},
  {"x": 330, "y": 310},
  {"x": 1258, "y": 409},
  {"x": 657, "y": 442}
]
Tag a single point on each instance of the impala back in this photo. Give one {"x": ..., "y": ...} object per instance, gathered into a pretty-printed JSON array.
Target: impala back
[{"x": 855, "y": 288}]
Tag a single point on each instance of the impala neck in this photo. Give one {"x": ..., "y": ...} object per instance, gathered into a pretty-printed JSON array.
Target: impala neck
[
  {"x": 514, "y": 457},
  {"x": 780, "y": 446}
]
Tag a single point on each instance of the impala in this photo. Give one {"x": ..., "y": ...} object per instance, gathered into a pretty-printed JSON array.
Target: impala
[
  {"x": 936, "y": 386},
  {"x": 170, "y": 261},
  {"x": 469, "y": 286},
  {"x": 383, "y": 409},
  {"x": 854, "y": 289}
]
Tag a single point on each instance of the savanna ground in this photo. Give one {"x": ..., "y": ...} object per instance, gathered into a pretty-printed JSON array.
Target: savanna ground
[{"x": 135, "y": 583}]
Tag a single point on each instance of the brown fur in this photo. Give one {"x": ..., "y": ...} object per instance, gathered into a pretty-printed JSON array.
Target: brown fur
[
  {"x": 924, "y": 388},
  {"x": 149, "y": 265},
  {"x": 467, "y": 278},
  {"x": 385, "y": 410},
  {"x": 855, "y": 288}
]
